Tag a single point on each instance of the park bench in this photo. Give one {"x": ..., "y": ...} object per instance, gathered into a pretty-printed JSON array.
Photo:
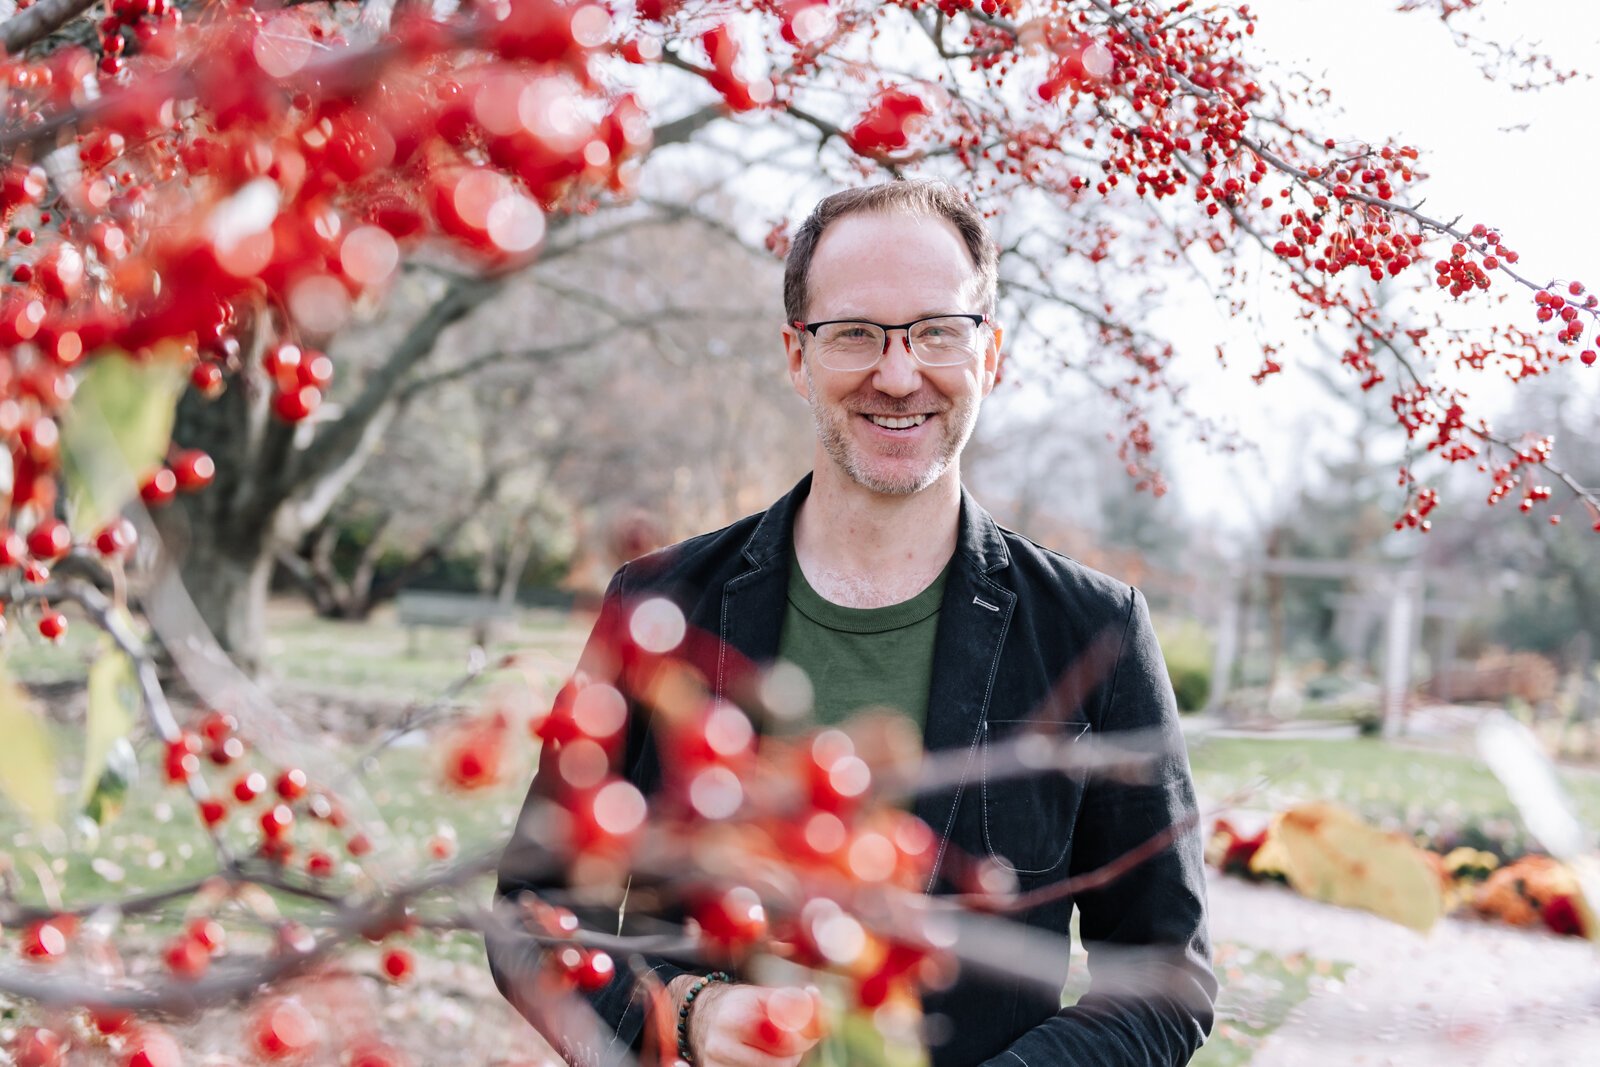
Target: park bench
[{"x": 481, "y": 614}]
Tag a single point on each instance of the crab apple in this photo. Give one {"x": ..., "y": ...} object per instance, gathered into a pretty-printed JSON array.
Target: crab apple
[
  {"x": 206, "y": 378},
  {"x": 45, "y": 940},
  {"x": 276, "y": 821},
  {"x": 314, "y": 369},
  {"x": 291, "y": 783},
  {"x": 208, "y": 932},
  {"x": 296, "y": 404},
  {"x": 226, "y": 751},
  {"x": 159, "y": 488},
  {"x": 217, "y": 726},
  {"x": 53, "y": 626},
  {"x": 183, "y": 757},
  {"x": 152, "y": 1046},
  {"x": 595, "y": 971},
  {"x": 374, "y": 1054},
  {"x": 37, "y": 1047},
  {"x": 116, "y": 538},
  {"x": 110, "y": 1020},
  {"x": 734, "y": 919},
  {"x": 283, "y": 1029},
  {"x": 398, "y": 965},
  {"x": 50, "y": 540},
  {"x": 249, "y": 786},
  {"x": 193, "y": 469},
  {"x": 13, "y": 548},
  {"x": 474, "y": 761},
  {"x": 187, "y": 958},
  {"x": 212, "y": 812}
]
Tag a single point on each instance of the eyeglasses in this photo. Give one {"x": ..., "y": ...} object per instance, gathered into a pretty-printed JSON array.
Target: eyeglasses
[{"x": 856, "y": 345}]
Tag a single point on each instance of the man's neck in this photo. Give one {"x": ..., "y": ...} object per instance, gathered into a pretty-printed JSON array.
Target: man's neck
[{"x": 863, "y": 549}]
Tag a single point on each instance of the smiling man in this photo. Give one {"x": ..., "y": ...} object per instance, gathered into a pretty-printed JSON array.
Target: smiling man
[{"x": 891, "y": 587}]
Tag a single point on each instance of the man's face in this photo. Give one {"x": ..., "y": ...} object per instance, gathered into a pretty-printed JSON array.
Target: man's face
[{"x": 892, "y": 268}]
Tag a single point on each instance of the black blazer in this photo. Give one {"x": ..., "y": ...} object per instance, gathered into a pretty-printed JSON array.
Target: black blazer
[{"x": 1027, "y": 639}]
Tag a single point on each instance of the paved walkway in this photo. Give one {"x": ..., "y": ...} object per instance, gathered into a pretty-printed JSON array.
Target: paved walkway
[{"x": 1467, "y": 994}]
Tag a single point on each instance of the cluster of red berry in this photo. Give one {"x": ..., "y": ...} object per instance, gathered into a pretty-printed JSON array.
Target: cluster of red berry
[{"x": 217, "y": 739}]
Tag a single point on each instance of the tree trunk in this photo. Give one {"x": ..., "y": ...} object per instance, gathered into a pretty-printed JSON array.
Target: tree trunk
[{"x": 228, "y": 584}]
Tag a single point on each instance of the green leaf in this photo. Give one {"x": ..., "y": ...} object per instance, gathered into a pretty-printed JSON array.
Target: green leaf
[
  {"x": 117, "y": 431},
  {"x": 27, "y": 764},
  {"x": 113, "y": 698}
]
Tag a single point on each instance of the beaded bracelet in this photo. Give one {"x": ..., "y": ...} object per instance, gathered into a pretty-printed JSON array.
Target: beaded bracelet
[{"x": 688, "y": 1003}]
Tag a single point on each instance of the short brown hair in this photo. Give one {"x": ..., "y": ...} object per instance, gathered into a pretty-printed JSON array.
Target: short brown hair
[{"x": 921, "y": 197}]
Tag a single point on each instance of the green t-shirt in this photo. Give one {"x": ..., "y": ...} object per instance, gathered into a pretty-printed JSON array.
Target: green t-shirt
[{"x": 858, "y": 658}]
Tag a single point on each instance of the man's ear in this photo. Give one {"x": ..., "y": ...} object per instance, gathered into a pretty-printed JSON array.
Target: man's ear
[
  {"x": 992, "y": 359},
  {"x": 796, "y": 356}
]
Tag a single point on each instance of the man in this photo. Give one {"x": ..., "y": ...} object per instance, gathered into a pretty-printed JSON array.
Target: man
[{"x": 889, "y": 585}]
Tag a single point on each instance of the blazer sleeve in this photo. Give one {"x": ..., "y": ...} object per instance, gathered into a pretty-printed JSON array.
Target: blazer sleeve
[
  {"x": 1151, "y": 991},
  {"x": 613, "y": 1029}
]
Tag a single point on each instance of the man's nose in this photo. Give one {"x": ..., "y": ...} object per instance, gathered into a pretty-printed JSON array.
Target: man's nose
[{"x": 898, "y": 373}]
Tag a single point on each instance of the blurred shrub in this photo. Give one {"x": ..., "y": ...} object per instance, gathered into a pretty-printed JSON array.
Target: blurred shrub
[{"x": 1188, "y": 652}]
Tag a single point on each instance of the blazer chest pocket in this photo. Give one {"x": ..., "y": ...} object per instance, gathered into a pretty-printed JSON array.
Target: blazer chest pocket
[{"x": 1028, "y": 813}]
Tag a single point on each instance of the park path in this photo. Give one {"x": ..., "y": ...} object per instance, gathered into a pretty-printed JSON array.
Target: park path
[{"x": 1466, "y": 994}]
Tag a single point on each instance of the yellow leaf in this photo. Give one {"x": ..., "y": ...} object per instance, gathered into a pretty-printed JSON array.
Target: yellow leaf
[
  {"x": 118, "y": 430},
  {"x": 27, "y": 764},
  {"x": 1329, "y": 854},
  {"x": 113, "y": 693}
]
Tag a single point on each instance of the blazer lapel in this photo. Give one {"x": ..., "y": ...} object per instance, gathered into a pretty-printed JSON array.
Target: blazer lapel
[
  {"x": 751, "y": 617},
  {"x": 973, "y": 620}
]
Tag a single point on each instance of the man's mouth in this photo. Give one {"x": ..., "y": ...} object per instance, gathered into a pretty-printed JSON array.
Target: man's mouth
[{"x": 897, "y": 422}]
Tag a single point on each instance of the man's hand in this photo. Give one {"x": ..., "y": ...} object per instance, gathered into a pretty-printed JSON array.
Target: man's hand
[{"x": 751, "y": 1026}]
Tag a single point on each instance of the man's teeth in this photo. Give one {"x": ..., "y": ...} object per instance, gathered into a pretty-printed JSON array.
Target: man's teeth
[{"x": 898, "y": 424}]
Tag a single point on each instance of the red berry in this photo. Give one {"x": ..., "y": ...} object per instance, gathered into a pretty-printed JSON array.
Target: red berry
[
  {"x": 13, "y": 549},
  {"x": 153, "y": 1047},
  {"x": 50, "y": 539},
  {"x": 206, "y": 378},
  {"x": 226, "y": 751},
  {"x": 291, "y": 784},
  {"x": 397, "y": 964},
  {"x": 359, "y": 845},
  {"x": 295, "y": 404},
  {"x": 250, "y": 786},
  {"x": 284, "y": 1029},
  {"x": 38, "y": 1047},
  {"x": 53, "y": 625},
  {"x": 1588, "y": 357},
  {"x": 372, "y": 1054},
  {"x": 595, "y": 971},
  {"x": 158, "y": 489},
  {"x": 315, "y": 369},
  {"x": 116, "y": 538},
  {"x": 282, "y": 362},
  {"x": 319, "y": 865},
  {"x": 218, "y": 726},
  {"x": 193, "y": 469},
  {"x": 110, "y": 1020},
  {"x": 208, "y": 932},
  {"x": 45, "y": 940},
  {"x": 187, "y": 958},
  {"x": 212, "y": 812},
  {"x": 275, "y": 822},
  {"x": 36, "y": 573},
  {"x": 182, "y": 757}
]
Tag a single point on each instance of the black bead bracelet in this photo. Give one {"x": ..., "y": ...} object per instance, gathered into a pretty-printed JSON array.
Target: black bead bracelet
[{"x": 688, "y": 1004}]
